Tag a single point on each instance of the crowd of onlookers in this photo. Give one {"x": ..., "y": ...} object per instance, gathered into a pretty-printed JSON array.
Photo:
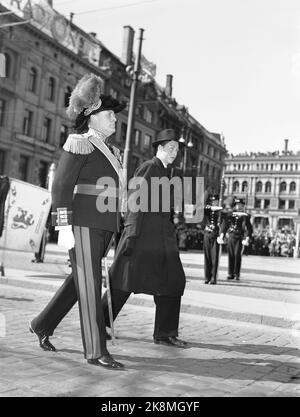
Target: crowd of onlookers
[{"x": 266, "y": 242}]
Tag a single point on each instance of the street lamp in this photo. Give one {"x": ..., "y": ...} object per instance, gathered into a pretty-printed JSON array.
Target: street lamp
[{"x": 189, "y": 145}]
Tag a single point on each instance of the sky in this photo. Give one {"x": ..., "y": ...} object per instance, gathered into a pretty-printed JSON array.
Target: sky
[{"x": 236, "y": 63}]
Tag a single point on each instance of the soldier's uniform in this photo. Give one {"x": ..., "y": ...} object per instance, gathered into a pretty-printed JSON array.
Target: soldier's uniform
[
  {"x": 211, "y": 225},
  {"x": 77, "y": 197},
  {"x": 238, "y": 227}
]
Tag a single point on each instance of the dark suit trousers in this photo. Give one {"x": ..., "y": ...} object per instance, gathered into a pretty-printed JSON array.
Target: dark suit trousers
[
  {"x": 166, "y": 314},
  {"x": 234, "y": 255},
  {"x": 85, "y": 284},
  {"x": 211, "y": 256}
]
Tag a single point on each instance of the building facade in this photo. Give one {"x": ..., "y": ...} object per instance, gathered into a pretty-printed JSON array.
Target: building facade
[
  {"x": 45, "y": 58},
  {"x": 270, "y": 184}
]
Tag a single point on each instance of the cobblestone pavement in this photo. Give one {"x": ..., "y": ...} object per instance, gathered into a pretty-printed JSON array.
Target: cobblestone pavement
[{"x": 224, "y": 358}]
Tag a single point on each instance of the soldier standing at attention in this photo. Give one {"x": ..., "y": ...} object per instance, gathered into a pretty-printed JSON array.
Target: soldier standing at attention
[
  {"x": 239, "y": 230},
  {"x": 87, "y": 158},
  {"x": 211, "y": 225}
]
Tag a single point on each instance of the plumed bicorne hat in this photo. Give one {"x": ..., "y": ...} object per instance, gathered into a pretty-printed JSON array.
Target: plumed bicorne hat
[
  {"x": 86, "y": 97},
  {"x": 166, "y": 135}
]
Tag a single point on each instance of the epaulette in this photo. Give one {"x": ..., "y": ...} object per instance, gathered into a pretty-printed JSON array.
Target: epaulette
[{"x": 79, "y": 144}]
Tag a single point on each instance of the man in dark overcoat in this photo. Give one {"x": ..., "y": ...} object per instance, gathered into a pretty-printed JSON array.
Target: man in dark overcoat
[
  {"x": 239, "y": 229},
  {"x": 147, "y": 257}
]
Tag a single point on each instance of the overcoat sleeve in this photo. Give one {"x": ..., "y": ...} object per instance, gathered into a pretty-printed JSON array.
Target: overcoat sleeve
[
  {"x": 134, "y": 220},
  {"x": 248, "y": 226},
  {"x": 65, "y": 179}
]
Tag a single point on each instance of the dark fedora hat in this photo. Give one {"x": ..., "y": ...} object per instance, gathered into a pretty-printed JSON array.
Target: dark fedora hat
[
  {"x": 166, "y": 135},
  {"x": 110, "y": 103}
]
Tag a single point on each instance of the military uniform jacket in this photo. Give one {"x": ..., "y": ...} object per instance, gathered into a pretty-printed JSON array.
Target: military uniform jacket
[
  {"x": 212, "y": 221},
  {"x": 155, "y": 266},
  {"x": 237, "y": 225},
  {"x": 75, "y": 190}
]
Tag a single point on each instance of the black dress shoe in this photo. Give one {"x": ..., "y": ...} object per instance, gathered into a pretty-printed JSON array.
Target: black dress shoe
[
  {"x": 44, "y": 341},
  {"x": 206, "y": 282},
  {"x": 106, "y": 361},
  {"x": 230, "y": 277},
  {"x": 171, "y": 341},
  {"x": 237, "y": 277},
  {"x": 213, "y": 282}
]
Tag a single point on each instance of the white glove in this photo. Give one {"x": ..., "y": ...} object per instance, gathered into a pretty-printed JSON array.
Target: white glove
[
  {"x": 220, "y": 239},
  {"x": 65, "y": 237},
  {"x": 245, "y": 242}
]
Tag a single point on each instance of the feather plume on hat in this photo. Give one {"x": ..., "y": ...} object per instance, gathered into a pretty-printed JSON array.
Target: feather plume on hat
[{"x": 86, "y": 95}]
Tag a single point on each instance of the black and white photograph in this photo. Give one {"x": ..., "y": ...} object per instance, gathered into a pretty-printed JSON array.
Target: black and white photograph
[{"x": 149, "y": 201}]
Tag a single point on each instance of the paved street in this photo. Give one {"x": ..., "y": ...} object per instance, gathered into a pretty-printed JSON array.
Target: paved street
[{"x": 244, "y": 336}]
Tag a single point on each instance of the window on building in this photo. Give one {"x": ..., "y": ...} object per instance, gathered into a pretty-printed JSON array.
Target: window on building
[
  {"x": 236, "y": 187},
  {"x": 2, "y": 111},
  {"x": 282, "y": 186},
  {"x": 63, "y": 135},
  {"x": 296, "y": 167},
  {"x": 281, "y": 167},
  {"x": 257, "y": 167},
  {"x": 258, "y": 187},
  {"x": 267, "y": 167},
  {"x": 32, "y": 80},
  {"x": 27, "y": 122},
  {"x": 281, "y": 204},
  {"x": 148, "y": 116},
  {"x": 239, "y": 167},
  {"x": 292, "y": 186},
  {"x": 147, "y": 141},
  {"x": 262, "y": 167},
  {"x": 46, "y": 132},
  {"x": 286, "y": 167},
  {"x": 257, "y": 203},
  {"x": 2, "y": 162},
  {"x": 23, "y": 167},
  {"x": 8, "y": 65},
  {"x": 123, "y": 131},
  {"x": 67, "y": 95},
  {"x": 234, "y": 166},
  {"x": 266, "y": 203},
  {"x": 50, "y": 89},
  {"x": 291, "y": 204},
  {"x": 245, "y": 187},
  {"x": 291, "y": 167},
  {"x": 114, "y": 93},
  {"x": 271, "y": 167},
  {"x": 268, "y": 187},
  {"x": 43, "y": 174},
  {"x": 137, "y": 137}
]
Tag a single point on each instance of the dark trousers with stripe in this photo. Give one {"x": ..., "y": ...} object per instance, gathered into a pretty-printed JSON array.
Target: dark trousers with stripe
[
  {"x": 85, "y": 285},
  {"x": 211, "y": 256},
  {"x": 234, "y": 255},
  {"x": 166, "y": 314}
]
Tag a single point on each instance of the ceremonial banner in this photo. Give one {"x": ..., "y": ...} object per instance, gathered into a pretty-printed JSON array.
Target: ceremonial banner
[{"x": 26, "y": 210}]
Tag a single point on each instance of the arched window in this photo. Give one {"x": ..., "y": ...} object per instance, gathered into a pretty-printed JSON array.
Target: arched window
[
  {"x": 235, "y": 187},
  {"x": 8, "y": 65},
  {"x": 245, "y": 187},
  {"x": 68, "y": 92},
  {"x": 282, "y": 186},
  {"x": 268, "y": 187},
  {"x": 32, "y": 78},
  {"x": 292, "y": 186},
  {"x": 258, "y": 187},
  {"x": 51, "y": 89}
]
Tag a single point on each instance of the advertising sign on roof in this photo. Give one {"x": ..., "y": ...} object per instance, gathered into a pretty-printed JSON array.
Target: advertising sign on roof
[{"x": 46, "y": 19}]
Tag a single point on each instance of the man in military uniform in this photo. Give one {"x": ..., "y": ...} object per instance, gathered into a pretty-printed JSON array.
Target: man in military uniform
[
  {"x": 147, "y": 258},
  {"x": 211, "y": 225},
  {"x": 239, "y": 230},
  {"x": 87, "y": 158}
]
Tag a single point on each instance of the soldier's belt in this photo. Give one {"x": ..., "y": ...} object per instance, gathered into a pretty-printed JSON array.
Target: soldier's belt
[{"x": 91, "y": 189}]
